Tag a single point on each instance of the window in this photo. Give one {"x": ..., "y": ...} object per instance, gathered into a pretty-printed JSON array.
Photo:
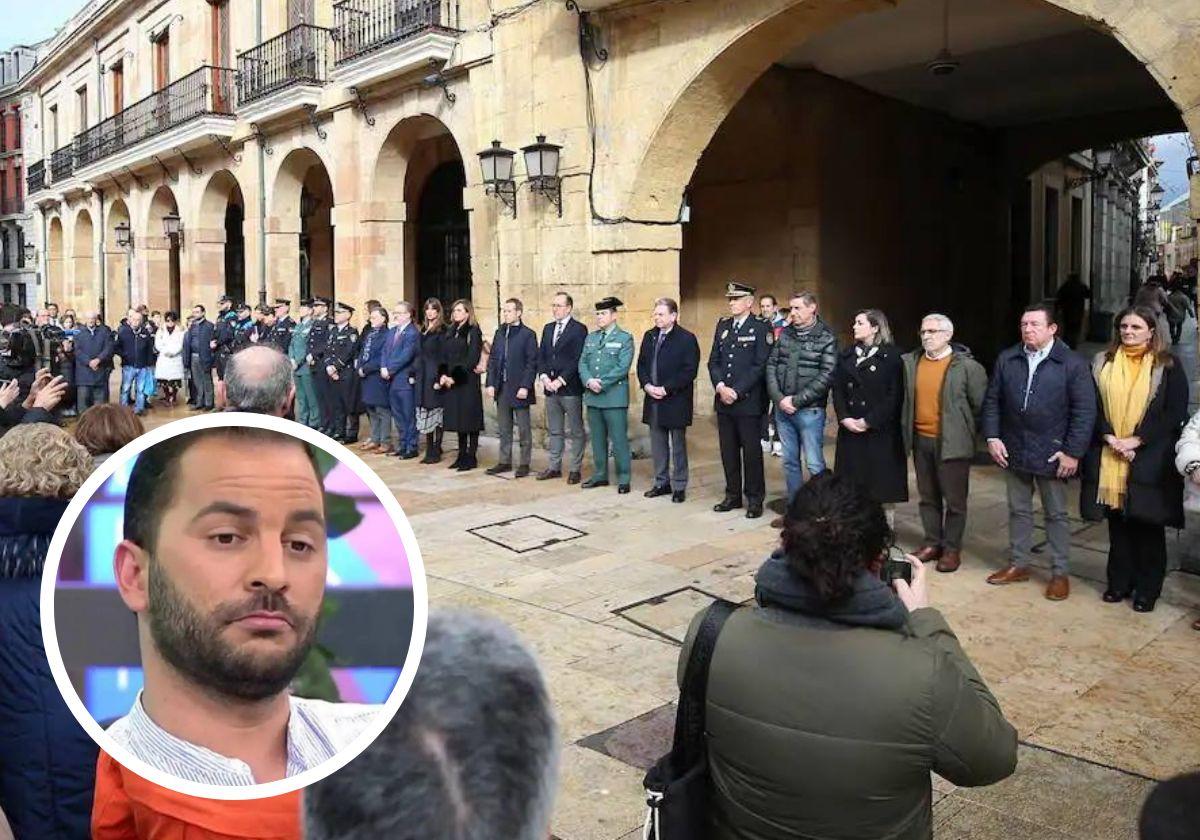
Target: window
[
  {"x": 81, "y": 109},
  {"x": 7, "y": 289},
  {"x": 118, "y": 87},
  {"x": 21, "y": 299},
  {"x": 20, "y": 248},
  {"x": 53, "y": 144},
  {"x": 162, "y": 59}
]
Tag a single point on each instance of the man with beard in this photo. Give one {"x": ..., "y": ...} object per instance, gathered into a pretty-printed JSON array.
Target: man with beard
[{"x": 223, "y": 561}]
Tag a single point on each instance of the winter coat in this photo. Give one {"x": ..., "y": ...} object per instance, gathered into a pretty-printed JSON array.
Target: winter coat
[
  {"x": 169, "y": 347},
  {"x": 515, "y": 347},
  {"x": 678, "y": 364},
  {"x": 826, "y": 721},
  {"x": 1154, "y": 492},
  {"x": 463, "y": 402},
  {"x": 1058, "y": 416},
  {"x": 963, "y": 391},
  {"x": 801, "y": 365},
  {"x": 873, "y": 391},
  {"x": 370, "y": 360},
  {"x": 1187, "y": 450},
  {"x": 135, "y": 347},
  {"x": 197, "y": 344},
  {"x": 47, "y": 760},
  {"x": 562, "y": 359},
  {"x": 92, "y": 344},
  {"x": 429, "y": 366}
]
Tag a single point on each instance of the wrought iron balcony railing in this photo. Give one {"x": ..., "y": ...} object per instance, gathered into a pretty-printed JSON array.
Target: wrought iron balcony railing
[
  {"x": 35, "y": 176},
  {"x": 206, "y": 91},
  {"x": 295, "y": 57},
  {"x": 363, "y": 26},
  {"x": 62, "y": 163}
]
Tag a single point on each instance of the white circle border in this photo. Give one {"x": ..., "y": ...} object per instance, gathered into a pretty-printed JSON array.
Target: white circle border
[{"x": 412, "y": 552}]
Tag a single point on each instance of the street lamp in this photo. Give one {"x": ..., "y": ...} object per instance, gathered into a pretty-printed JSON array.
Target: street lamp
[
  {"x": 125, "y": 241},
  {"x": 541, "y": 166},
  {"x": 497, "y": 164},
  {"x": 173, "y": 228}
]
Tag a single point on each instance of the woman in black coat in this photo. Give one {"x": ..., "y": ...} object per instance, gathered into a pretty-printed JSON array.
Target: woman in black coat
[
  {"x": 1129, "y": 475},
  {"x": 868, "y": 394},
  {"x": 427, "y": 372},
  {"x": 460, "y": 383}
]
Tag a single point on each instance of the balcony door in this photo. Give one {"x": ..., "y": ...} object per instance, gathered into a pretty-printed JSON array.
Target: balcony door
[
  {"x": 299, "y": 11},
  {"x": 162, "y": 78},
  {"x": 222, "y": 53}
]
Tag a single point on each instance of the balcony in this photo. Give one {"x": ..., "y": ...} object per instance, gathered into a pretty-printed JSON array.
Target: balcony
[
  {"x": 62, "y": 164},
  {"x": 283, "y": 74},
  {"x": 35, "y": 177},
  {"x": 196, "y": 101},
  {"x": 378, "y": 39}
]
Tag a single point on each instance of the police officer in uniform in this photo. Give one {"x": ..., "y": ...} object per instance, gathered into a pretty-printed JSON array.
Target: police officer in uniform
[
  {"x": 243, "y": 328},
  {"x": 339, "y": 367},
  {"x": 223, "y": 334},
  {"x": 280, "y": 335},
  {"x": 737, "y": 365},
  {"x": 308, "y": 410},
  {"x": 604, "y": 371},
  {"x": 318, "y": 346}
]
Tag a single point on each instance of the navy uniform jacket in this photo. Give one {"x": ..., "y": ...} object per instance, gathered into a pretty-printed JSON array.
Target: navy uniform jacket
[
  {"x": 516, "y": 348},
  {"x": 739, "y": 359},
  {"x": 562, "y": 359},
  {"x": 343, "y": 346},
  {"x": 280, "y": 335},
  {"x": 318, "y": 342},
  {"x": 223, "y": 332}
]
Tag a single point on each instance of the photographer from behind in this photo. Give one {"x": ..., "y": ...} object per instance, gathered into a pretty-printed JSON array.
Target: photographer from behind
[{"x": 832, "y": 698}]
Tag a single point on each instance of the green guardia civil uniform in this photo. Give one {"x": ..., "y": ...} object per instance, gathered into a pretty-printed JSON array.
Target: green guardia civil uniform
[
  {"x": 308, "y": 411},
  {"x": 607, "y": 356}
]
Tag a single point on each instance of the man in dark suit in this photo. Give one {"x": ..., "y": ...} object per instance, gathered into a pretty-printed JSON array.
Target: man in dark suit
[
  {"x": 198, "y": 357},
  {"x": 93, "y": 362},
  {"x": 558, "y": 370},
  {"x": 512, "y": 368},
  {"x": 737, "y": 365},
  {"x": 667, "y": 365}
]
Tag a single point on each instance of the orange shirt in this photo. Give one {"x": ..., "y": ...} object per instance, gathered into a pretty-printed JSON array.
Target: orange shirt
[
  {"x": 927, "y": 410},
  {"x": 128, "y": 807}
]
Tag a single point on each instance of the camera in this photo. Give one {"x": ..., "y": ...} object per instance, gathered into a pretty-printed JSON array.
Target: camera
[{"x": 895, "y": 565}]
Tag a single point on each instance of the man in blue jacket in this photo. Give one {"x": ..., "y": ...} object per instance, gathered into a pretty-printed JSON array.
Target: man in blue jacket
[
  {"x": 1038, "y": 416},
  {"x": 512, "y": 368},
  {"x": 135, "y": 346},
  {"x": 558, "y": 370},
  {"x": 93, "y": 362},
  {"x": 198, "y": 356},
  {"x": 399, "y": 355}
]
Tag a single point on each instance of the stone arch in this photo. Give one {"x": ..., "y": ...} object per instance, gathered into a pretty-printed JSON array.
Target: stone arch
[
  {"x": 161, "y": 258},
  {"x": 84, "y": 286},
  {"x": 116, "y": 258},
  {"x": 56, "y": 278},
  {"x": 219, "y": 259},
  {"x": 300, "y": 240}
]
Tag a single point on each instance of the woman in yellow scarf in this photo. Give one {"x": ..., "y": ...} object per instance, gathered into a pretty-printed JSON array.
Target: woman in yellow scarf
[{"x": 1128, "y": 474}]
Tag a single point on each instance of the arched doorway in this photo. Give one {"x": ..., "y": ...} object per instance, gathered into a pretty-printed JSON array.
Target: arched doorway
[
  {"x": 301, "y": 241},
  {"x": 220, "y": 241},
  {"x": 56, "y": 279},
  {"x": 118, "y": 266},
  {"x": 235, "y": 248},
  {"x": 84, "y": 288},
  {"x": 162, "y": 255},
  {"x": 443, "y": 236}
]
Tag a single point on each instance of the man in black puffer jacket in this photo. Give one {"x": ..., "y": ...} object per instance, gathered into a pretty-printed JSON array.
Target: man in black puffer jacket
[{"x": 799, "y": 373}]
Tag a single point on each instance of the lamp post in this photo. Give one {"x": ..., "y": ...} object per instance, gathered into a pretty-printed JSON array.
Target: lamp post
[
  {"x": 125, "y": 241},
  {"x": 497, "y": 165},
  {"x": 541, "y": 166}
]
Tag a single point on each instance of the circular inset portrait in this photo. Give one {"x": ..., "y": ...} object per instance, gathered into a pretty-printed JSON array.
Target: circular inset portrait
[{"x": 233, "y": 606}]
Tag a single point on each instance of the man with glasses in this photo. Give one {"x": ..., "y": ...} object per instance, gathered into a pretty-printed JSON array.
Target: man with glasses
[
  {"x": 558, "y": 371},
  {"x": 943, "y": 395}
]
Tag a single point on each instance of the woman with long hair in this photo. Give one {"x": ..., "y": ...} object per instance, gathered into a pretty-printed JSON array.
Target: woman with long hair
[
  {"x": 428, "y": 372},
  {"x": 868, "y": 393},
  {"x": 460, "y": 383},
  {"x": 1129, "y": 475}
]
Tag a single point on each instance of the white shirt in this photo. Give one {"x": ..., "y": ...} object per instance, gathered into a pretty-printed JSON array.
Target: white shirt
[
  {"x": 1035, "y": 358},
  {"x": 316, "y": 731}
]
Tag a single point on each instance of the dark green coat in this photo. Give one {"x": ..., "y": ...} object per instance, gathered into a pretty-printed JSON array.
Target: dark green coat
[
  {"x": 962, "y": 400},
  {"x": 817, "y": 729}
]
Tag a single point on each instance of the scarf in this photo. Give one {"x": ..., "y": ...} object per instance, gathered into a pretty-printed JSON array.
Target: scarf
[
  {"x": 861, "y": 354},
  {"x": 871, "y": 604},
  {"x": 1125, "y": 391}
]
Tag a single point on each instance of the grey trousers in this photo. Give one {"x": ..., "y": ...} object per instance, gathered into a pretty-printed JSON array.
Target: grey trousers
[
  {"x": 381, "y": 424},
  {"x": 669, "y": 449},
  {"x": 563, "y": 411},
  {"x": 507, "y": 416},
  {"x": 943, "y": 487},
  {"x": 202, "y": 385},
  {"x": 1020, "y": 518}
]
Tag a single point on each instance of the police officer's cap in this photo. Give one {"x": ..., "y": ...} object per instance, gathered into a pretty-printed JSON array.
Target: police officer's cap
[
  {"x": 282, "y": 302},
  {"x": 345, "y": 307},
  {"x": 224, "y": 299},
  {"x": 738, "y": 290},
  {"x": 307, "y": 302},
  {"x": 320, "y": 301},
  {"x": 265, "y": 310},
  {"x": 608, "y": 303},
  {"x": 243, "y": 307}
]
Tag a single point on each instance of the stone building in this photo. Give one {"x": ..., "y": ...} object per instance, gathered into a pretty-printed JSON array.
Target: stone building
[
  {"x": 18, "y": 279},
  {"x": 1176, "y": 238},
  {"x": 877, "y": 152}
]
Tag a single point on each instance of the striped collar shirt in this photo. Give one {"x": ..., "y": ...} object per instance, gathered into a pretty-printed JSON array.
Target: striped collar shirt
[{"x": 316, "y": 731}]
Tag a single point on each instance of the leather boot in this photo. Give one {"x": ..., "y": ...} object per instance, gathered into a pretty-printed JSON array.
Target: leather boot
[{"x": 428, "y": 459}]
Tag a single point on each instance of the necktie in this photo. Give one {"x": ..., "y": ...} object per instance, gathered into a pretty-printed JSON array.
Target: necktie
[
  {"x": 654, "y": 360},
  {"x": 558, "y": 328}
]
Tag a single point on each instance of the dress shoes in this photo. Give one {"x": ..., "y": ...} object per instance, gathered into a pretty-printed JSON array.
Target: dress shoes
[
  {"x": 727, "y": 504},
  {"x": 679, "y": 496},
  {"x": 521, "y": 472},
  {"x": 1009, "y": 574},
  {"x": 1196, "y": 624},
  {"x": 1143, "y": 604},
  {"x": 622, "y": 488},
  {"x": 754, "y": 510},
  {"x": 1059, "y": 588},
  {"x": 927, "y": 553},
  {"x": 409, "y": 455},
  {"x": 574, "y": 478},
  {"x": 949, "y": 561},
  {"x": 655, "y": 492},
  {"x": 499, "y": 468},
  {"x": 546, "y": 475},
  {"x": 1111, "y": 596},
  {"x": 594, "y": 482}
]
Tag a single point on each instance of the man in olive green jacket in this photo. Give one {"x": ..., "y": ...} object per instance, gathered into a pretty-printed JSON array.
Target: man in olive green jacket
[
  {"x": 943, "y": 395},
  {"x": 604, "y": 370},
  {"x": 307, "y": 410}
]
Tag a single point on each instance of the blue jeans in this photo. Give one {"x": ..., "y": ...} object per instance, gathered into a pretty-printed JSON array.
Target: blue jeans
[
  {"x": 132, "y": 378},
  {"x": 803, "y": 430}
]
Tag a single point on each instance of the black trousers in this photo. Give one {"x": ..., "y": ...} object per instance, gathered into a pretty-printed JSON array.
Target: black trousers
[
  {"x": 739, "y": 435},
  {"x": 321, "y": 384},
  {"x": 1137, "y": 556},
  {"x": 341, "y": 407}
]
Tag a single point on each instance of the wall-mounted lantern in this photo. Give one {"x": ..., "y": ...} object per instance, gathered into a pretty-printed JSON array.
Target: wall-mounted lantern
[
  {"x": 497, "y": 164},
  {"x": 541, "y": 166},
  {"x": 173, "y": 228}
]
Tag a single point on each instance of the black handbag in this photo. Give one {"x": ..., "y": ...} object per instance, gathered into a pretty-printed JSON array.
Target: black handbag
[{"x": 677, "y": 785}]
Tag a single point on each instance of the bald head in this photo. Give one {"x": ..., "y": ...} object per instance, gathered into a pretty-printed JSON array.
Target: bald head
[{"x": 259, "y": 379}]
